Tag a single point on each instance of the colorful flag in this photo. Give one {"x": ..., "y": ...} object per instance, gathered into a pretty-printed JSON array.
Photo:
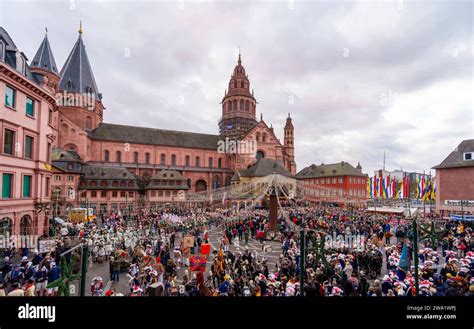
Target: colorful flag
[{"x": 433, "y": 192}]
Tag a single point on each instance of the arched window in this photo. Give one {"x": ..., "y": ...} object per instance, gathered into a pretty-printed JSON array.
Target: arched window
[
  {"x": 88, "y": 122},
  {"x": 201, "y": 185},
  {"x": 163, "y": 158},
  {"x": 257, "y": 136},
  {"x": 198, "y": 161},
  {"x": 219, "y": 163},
  {"x": 260, "y": 155},
  {"x": 241, "y": 84},
  {"x": 264, "y": 137},
  {"x": 229, "y": 106},
  {"x": 216, "y": 182},
  {"x": 210, "y": 162},
  {"x": 147, "y": 158},
  {"x": 242, "y": 105},
  {"x": 173, "y": 159},
  {"x": 118, "y": 156},
  {"x": 135, "y": 157},
  {"x": 187, "y": 160},
  {"x": 235, "y": 105},
  {"x": 247, "y": 106}
]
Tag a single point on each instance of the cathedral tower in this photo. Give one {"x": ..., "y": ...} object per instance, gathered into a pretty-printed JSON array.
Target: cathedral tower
[
  {"x": 289, "y": 146},
  {"x": 80, "y": 101},
  {"x": 238, "y": 105}
]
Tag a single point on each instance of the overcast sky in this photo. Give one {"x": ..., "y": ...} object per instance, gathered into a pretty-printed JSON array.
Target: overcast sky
[{"x": 359, "y": 78}]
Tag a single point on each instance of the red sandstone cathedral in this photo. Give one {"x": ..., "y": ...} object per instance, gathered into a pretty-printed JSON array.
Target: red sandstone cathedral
[{"x": 113, "y": 162}]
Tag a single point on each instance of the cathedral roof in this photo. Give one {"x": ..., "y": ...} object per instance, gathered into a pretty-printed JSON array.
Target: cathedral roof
[
  {"x": 329, "y": 170},
  {"x": 76, "y": 74},
  {"x": 264, "y": 167},
  {"x": 44, "y": 58},
  {"x": 153, "y": 136}
]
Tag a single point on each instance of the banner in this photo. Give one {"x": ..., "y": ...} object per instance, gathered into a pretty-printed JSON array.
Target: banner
[{"x": 46, "y": 245}]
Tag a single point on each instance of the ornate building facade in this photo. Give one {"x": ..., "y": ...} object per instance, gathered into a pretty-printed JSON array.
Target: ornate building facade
[{"x": 146, "y": 154}]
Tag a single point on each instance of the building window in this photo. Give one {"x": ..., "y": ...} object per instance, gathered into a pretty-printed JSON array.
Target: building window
[
  {"x": 135, "y": 157},
  {"x": 118, "y": 156},
  {"x": 219, "y": 163},
  {"x": 8, "y": 142},
  {"x": 103, "y": 194},
  {"x": 334, "y": 180},
  {"x": 160, "y": 193},
  {"x": 70, "y": 178},
  {"x": 70, "y": 192},
  {"x": 29, "y": 147},
  {"x": 47, "y": 186},
  {"x": 48, "y": 153},
  {"x": 130, "y": 194},
  {"x": 350, "y": 180},
  {"x": 10, "y": 94},
  {"x": 7, "y": 186},
  {"x": 57, "y": 178},
  {"x": 114, "y": 194},
  {"x": 198, "y": 162},
  {"x": 468, "y": 156},
  {"x": 247, "y": 106},
  {"x": 328, "y": 180},
  {"x": 93, "y": 194},
  {"x": 173, "y": 159},
  {"x": 30, "y": 107},
  {"x": 153, "y": 194},
  {"x": 210, "y": 162},
  {"x": 122, "y": 194},
  {"x": 147, "y": 158},
  {"x": 163, "y": 158},
  {"x": 187, "y": 160},
  {"x": 340, "y": 180},
  {"x": 106, "y": 155},
  {"x": 50, "y": 117},
  {"x": 242, "y": 104},
  {"x": 88, "y": 122},
  {"x": 2, "y": 51}
]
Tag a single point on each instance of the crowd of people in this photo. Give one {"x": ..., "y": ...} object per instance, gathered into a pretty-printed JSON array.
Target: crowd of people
[{"x": 347, "y": 252}]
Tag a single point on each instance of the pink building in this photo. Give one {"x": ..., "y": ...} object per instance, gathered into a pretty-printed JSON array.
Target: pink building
[{"x": 28, "y": 125}]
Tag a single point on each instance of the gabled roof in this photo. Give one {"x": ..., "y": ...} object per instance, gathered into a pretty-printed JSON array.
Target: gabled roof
[
  {"x": 44, "y": 58},
  {"x": 329, "y": 170},
  {"x": 264, "y": 167},
  {"x": 76, "y": 74},
  {"x": 153, "y": 136},
  {"x": 60, "y": 154},
  {"x": 456, "y": 158},
  {"x": 161, "y": 181}
]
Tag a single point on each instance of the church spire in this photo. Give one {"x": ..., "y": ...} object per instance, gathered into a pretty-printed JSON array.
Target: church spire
[
  {"x": 76, "y": 74},
  {"x": 44, "y": 58}
]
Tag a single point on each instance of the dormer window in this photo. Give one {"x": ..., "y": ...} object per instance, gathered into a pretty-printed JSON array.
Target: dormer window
[
  {"x": 20, "y": 63},
  {"x": 468, "y": 156},
  {"x": 2, "y": 51},
  {"x": 69, "y": 84}
]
